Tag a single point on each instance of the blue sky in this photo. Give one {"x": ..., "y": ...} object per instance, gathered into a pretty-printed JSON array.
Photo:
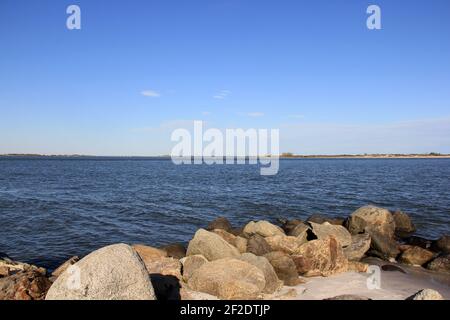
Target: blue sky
[{"x": 139, "y": 69}]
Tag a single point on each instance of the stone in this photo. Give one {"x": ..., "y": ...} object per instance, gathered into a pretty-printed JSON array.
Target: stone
[
  {"x": 360, "y": 244},
  {"x": 165, "y": 266},
  {"x": 287, "y": 244},
  {"x": 357, "y": 266},
  {"x": 228, "y": 237},
  {"x": 403, "y": 224},
  {"x": 272, "y": 281},
  {"x": 416, "y": 256},
  {"x": 258, "y": 245},
  {"x": 149, "y": 253},
  {"x": 191, "y": 264},
  {"x": 321, "y": 257},
  {"x": 348, "y": 297},
  {"x": 386, "y": 246},
  {"x": 115, "y": 272},
  {"x": 241, "y": 244},
  {"x": 426, "y": 294},
  {"x": 175, "y": 250},
  {"x": 375, "y": 218},
  {"x": 300, "y": 230},
  {"x": 220, "y": 223},
  {"x": 4, "y": 271},
  {"x": 24, "y": 285},
  {"x": 442, "y": 244},
  {"x": 187, "y": 294},
  {"x": 63, "y": 267},
  {"x": 263, "y": 228},
  {"x": 322, "y": 231},
  {"x": 419, "y": 242},
  {"x": 320, "y": 219},
  {"x": 228, "y": 279},
  {"x": 9, "y": 266},
  {"x": 289, "y": 225},
  {"x": 284, "y": 267},
  {"x": 211, "y": 246},
  {"x": 440, "y": 264}
]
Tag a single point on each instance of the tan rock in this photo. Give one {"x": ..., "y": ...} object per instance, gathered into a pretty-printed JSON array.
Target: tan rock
[
  {"x": 24, "y": 285},
  {"x": 284, "y": 267},
  {"x": 300, "y": 230},
  {"x": 440, "y": 264},
  {"x": 426, "y": 294},
  {"x": 263, "y": 228},
  {"x": 322, "y": 257},
  {"x": 164, "y": 266},
  {"x": 241, "y": 244},
  {"x": 416, "y": 256},
  {"x": 257, "y": 245},
  {"x": 191, "y": 264},
  {"x": 175, "y": 250},
  {"x": 287, "y": 244},
  {"x": 357, "y": 266},
  {"x": 228, "y": 279},
  {"x": 322, "y": 231},
  {"x": 359, "y": 245},
  {"x": 63, "y": 267},
  {"x": 149, "y": 253},
  {"x": 376, "y": 218},
  {"x": 211, "y": 246},
  {"x": 272, "y": 281}
]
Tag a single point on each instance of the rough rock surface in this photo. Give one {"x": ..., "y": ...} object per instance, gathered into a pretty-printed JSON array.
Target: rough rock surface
[
  {"x": 378, "y": 219},
  {"x": 24, "y": 285},
  {"x": 114, "y": 272},
  {"x": 258, "y": 245},
  {"x": 426, "y": 294},
  {"x": 228, "y": 278},
  {"x": 300, "y": 231},
  {"x": 358, "y": 247},
  {"x": 403, "y": 223},
  {"x": 322, "y": 231},
  {"x": 284, "y": 267},
  {"x": 149, "y": 253},
  {"x": 211, "y": 246},
  {"x": 287, "y": 244},
  {"x": 263, "y": 228},
  {"x": 322, "y": 257},
  {"x": 220, "y": 223},
  {"x": 442, "y": 244},
  {"x": 440, "y": 264},
  {"x": 191, "y": 264},
  {"x": 63, "y": 267},
  {"x": 386, "y": 246},
  {"x": 272, "y": 281},
  {"x": 357, "y": 266},
  {"x": 416, "y": 256}
]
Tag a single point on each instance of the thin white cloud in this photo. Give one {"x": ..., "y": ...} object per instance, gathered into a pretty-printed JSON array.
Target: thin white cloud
[
  {"x": 150, "y": 93},
  {"x": 223, "y": 94}
]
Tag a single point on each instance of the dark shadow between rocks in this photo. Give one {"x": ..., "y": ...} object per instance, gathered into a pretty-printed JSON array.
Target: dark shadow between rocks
[{"x": 166, "y": 287}]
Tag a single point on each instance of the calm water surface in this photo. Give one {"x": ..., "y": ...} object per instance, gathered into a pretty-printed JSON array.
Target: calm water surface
[{"x": 51, "y": 209}]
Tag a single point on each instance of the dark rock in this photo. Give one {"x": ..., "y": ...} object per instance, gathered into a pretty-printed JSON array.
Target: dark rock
[
  {"x": 319, "y": 218},
  {"x": 385, "y": 245},
  {"x": 442, "y": 244},
  {"x": 175, "y": 250},
  {"x": 289, "y": 225},
  {"x": 24, "y": 285},
  {"x": 220, "y": 223},
  {"x": 403, "y": 224},
  {"x": 440, "y": 264},
  {"x": 237, "y": 232},
  {"x": 284, "y": 268},
  {"x": 258, "y": 245},
  {"x": 416, "y": 256},
  {"x": 392, "y": 267}
]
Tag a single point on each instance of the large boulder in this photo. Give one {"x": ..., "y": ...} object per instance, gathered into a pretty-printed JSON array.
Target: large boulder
[
  {"x": 322, "y": 257},
  {"x": 320, "y": 219},
  {"x": 287, "y": 244},
  {"x": 272, "y": 281},
  {"x": 263, "y": 228},
  {"x": 326, "y": 229},
  {"x": 416, "y": 256},
  {"x": 442, "y": 244},
  {"x": 191, "y": 264},
  {"x": 426, "y": 294},
  {"x": 385, "y": 247},
  {"x": 440, "y": 264},
  {"x": 228, "y": 279},
  {"x": 358, "y": 247},
  {"x": 211, "y": 246},
  {"x": 115, "y": 272},
  {"x": 24, "y": 285},
  {"x": 284, "y": 267},
  {"x": 403, "y": 224},
  {"x": 220, "y": 223},
  {"x": 258, "y": 245},
  {"x": 375, "y": 218}
]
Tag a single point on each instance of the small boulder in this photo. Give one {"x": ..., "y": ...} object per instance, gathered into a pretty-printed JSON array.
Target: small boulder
[
  {"x": 442, "y": 244},
  {"x": 289, "y": 225},
  {"x": 426, "y": 294},
  {"x": 416, "y": 256},
  {"x": 257, "y": 245},
  {"x": 284, "y": 267},
  {"x": 322, "y": 231},
  {"x": 287, "y": 244},
  {"x": 24, "y": 285},
  {"x": 220, "y": 223},
  {"x": 211, "y": 246},
  {"x": 115, "y": 272},
  {"x": 263, "y": 228},
  {"x": 272, "y": 281},
  {"x": 300, "y": 231},
  {"x": 191, "y": 264},
  {"x": 403, "y": 224},
  {"x": 440, "y": 264},
  {"x": 175, "y": 250},
  {"x": 358, "y": 247},
  {"x": 322, "y": 257},
  {"x": 149, "y": 253},
  {"x": 228, "y": 279},
  {"x": 375, "y": 218}
]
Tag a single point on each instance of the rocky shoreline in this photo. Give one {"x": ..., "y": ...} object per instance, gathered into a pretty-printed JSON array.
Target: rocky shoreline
[{"x": 321, "y": 258}]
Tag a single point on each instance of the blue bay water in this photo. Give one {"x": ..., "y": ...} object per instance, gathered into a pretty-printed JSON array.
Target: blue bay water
[{"x": 51, "y": 209}]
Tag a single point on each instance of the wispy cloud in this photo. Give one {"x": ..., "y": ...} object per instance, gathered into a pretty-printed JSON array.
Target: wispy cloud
[
  {"x": 150, "y": 93},
  {"x": 223, "y": 94}
]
